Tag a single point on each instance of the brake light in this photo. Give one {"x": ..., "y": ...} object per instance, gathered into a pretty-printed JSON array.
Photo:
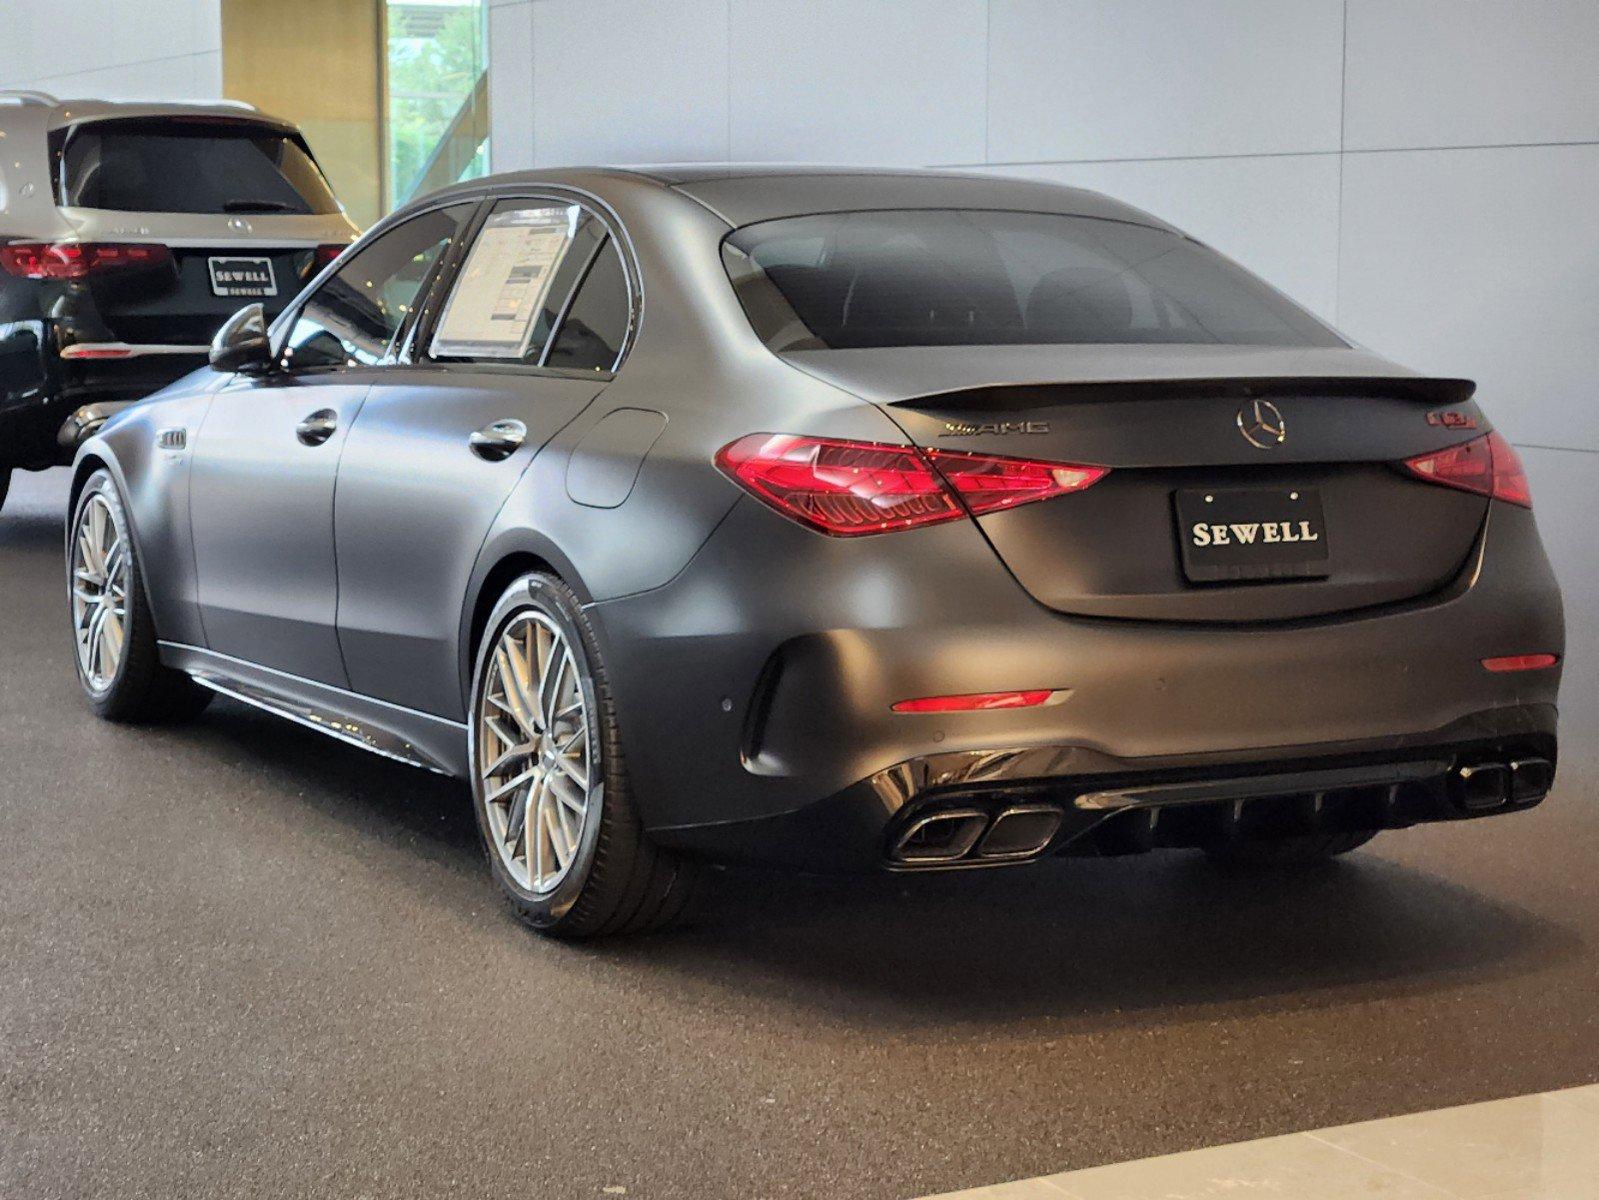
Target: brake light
[
  {"x": 975, "y": 701},
  {"x": 1520, "y": 662},
  {"x": 847, "y": 489},
  {"x": 323, "y": 255},
  {"x": 78, "y": 260},
  {"x": 1488, "y": 466}
]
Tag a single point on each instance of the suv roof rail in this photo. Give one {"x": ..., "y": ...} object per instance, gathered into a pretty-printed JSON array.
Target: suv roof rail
[{"x": 27, "y": 96}]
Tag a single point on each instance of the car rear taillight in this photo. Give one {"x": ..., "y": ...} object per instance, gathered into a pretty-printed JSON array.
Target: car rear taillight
[
  {"x": 323, "y": 255},
  {"x": 847, "y": 489},
  {"x": 1520, "y": 662},
  {"x": 78, "y": 260},
  {"x": 1488, "y": 465}
]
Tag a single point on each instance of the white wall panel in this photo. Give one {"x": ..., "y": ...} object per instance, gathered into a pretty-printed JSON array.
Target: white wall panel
[
  {"x": 1482, "y": 263},
  {"x": 1277, "y": 216},
  {"x": 615, "y": 81},
  {"x": 1073, "y": 79},
  {"x": 1491, "y": 72},
  {"x": 149, "y": 50},
  {"x": 874, "y": 81},
  {"x": 511, "y": 86}
]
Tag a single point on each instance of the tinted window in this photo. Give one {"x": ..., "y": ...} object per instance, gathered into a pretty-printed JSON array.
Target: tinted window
[
  {"x": 958, "y": 278},
  {"x": 590, "y": 338},
  {"x": 352, "y": 318},
  {"x": 194, "y": 167}
]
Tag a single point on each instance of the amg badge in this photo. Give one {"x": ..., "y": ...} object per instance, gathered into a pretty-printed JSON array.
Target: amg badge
[{"x": 969, "y": 429}]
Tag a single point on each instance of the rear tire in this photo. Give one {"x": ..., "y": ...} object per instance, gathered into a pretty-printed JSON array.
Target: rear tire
[
  {"x": 1279, "y": 853},
  {"x": 550, "y": 789},
  {"x": 119, "y": 664}
]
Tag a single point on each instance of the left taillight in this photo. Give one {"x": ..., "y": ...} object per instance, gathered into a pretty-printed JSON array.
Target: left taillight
[
  {"x": 78, "y": 260},
  {"x": 1488, "y": 466},
  {"x": 847, "y": 489}
]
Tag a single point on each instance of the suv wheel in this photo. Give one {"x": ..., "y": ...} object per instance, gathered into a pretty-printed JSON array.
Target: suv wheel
[
  {"x": 551, "y": 794},
  {"x": 112, "y": 629}
]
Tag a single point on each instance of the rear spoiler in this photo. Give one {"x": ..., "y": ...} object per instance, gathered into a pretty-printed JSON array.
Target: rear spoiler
[{"x": 1022, "y": 396}]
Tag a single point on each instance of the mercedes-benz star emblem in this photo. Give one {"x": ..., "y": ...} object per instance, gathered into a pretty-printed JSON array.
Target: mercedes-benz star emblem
[{"x": 1261, "y": 423}]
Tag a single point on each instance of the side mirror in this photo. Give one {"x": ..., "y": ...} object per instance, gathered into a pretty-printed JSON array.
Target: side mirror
[{"x": 241, "y": 344}]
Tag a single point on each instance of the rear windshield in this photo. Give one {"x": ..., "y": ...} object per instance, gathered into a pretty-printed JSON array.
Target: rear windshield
[
  {"x": 970, "y": 278},
  {"x": 190, "y": 166}
]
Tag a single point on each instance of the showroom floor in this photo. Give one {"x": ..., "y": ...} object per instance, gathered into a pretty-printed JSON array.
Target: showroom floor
[{"x": 239, "y": 959}]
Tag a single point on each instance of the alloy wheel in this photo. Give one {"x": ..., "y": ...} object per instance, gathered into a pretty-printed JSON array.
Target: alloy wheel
[
  {"x": 537, "y": 770},
  {"x": 99, "y": 592}
]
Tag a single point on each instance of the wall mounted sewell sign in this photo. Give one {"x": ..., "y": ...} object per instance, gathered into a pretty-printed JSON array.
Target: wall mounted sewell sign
[{"x": 502, "y": 288}]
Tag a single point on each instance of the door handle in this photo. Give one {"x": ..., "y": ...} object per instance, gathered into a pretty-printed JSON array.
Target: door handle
[
  {"x": 318, "y": 427},
  {"x": 498, "y": 440}
]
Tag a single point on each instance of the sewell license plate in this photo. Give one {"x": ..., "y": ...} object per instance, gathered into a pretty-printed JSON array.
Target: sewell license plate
[
  {"x": 1251, "y": 533},
  {"x": 242, "y": 277}
]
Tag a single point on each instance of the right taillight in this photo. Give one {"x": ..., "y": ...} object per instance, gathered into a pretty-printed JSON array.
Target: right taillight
[
  {"x": 78, "y": 260},
  {"x": 847, "y": 489},
  {"x": 1488, "y": 466}
]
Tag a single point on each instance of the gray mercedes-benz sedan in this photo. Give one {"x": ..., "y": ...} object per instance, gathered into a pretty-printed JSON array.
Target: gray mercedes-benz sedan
[{"x": 845, "y": 519}]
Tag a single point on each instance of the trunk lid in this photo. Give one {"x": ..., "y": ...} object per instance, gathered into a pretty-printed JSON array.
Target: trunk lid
[{"x": 1179, "y": 427}]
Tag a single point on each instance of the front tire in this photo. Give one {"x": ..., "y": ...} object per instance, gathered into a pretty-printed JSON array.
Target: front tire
[
  {"x": 113, "y": 632},
  {"x": 550, "y": 789}
]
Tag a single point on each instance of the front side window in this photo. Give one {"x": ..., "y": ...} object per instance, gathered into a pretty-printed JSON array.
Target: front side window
[
  {"x": 949, "y": 277},
  {"x": 352, "y": 319},
  {"x": 190, "y": 166}
]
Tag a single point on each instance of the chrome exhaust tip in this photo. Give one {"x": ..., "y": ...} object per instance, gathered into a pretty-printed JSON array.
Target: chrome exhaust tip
[
  {"x": 1020, "y": 831},
  {"x": 1530, "y": 779},
  {"x": 944, "y": 836},
  {"x": 1482, "y": 786}
]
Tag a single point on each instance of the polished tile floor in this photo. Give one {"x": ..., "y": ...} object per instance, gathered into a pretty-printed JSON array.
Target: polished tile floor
[{"x": 1539, "y": 1147}]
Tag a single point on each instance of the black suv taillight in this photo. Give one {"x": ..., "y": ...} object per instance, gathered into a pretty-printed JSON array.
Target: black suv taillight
[{"x": 78, "y": 260}]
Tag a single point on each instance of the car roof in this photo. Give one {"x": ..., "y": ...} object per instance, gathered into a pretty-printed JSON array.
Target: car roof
[
  {"x": 63, "y": 112},
  {"x": 746, "y": 193}
]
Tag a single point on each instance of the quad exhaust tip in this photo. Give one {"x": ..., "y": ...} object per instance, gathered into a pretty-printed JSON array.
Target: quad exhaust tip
[
  {"x": 1480, "y": 787},
  {"x": 950, "y": 835}
]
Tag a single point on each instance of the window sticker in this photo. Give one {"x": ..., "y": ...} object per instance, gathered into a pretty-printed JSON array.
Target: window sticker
[{"x": 503, "y": 285}]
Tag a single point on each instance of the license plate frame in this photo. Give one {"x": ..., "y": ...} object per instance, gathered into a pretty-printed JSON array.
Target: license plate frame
[
  {"x": 242, "y": 276},
  {"x": 1233, "y": 534}
]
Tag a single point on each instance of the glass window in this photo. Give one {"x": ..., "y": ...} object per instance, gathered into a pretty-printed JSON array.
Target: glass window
[
  {"x": 514, "y": 281},
  {"x": 353, "y": 317},
  {"x": 590, "y": 337},
  {"x": 962, "y": 278},
  {"x": 437, "y": 89},
  {"x": 215, "y": 166}
]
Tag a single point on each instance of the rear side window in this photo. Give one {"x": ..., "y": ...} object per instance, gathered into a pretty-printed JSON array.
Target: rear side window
[
  {"x": 591, "y": 336},
  {"x": 211, "y": 166},
  {"x": 977, "y": 277},
  {"x": 543, "y": 284},
  {"x": 351, "y": 320}
]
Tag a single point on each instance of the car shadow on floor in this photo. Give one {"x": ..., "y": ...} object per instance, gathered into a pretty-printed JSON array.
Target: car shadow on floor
[{"x": 1123, "y": 940}]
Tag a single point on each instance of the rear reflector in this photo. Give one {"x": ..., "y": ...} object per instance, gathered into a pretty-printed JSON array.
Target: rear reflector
[
  {"x": 847, "y": 489},
  {"x": 975, "y": 701},
  {"x": 78, "y": 260},
  {"x": 1488, "y": 466},
  {"x": 1521, "y": 662}
]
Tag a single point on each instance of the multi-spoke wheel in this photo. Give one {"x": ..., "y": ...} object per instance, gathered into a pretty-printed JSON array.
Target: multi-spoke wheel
[
  {"x": 533, "y": 745},
  {"x": 553, "y": 806},
  {"x": 99, "y": 592},
  {"x": 112, "y": 629}
]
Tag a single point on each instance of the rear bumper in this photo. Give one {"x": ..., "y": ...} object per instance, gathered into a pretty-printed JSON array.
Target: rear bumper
[
  {"x": 965, "y": 810},
  {"x": 755, "y": 690}
]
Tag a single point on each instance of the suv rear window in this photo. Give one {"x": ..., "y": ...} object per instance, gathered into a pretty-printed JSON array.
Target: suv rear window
[
  {"x": 977, "y": 277},
  {"x": 212, "y": 166}
]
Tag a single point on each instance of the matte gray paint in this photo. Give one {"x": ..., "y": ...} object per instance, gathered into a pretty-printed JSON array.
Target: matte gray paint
[{"x": 768, "y": 654}]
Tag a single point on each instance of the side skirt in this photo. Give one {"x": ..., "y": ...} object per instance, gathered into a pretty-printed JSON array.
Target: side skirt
[{"x": 403, "y": 734}]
